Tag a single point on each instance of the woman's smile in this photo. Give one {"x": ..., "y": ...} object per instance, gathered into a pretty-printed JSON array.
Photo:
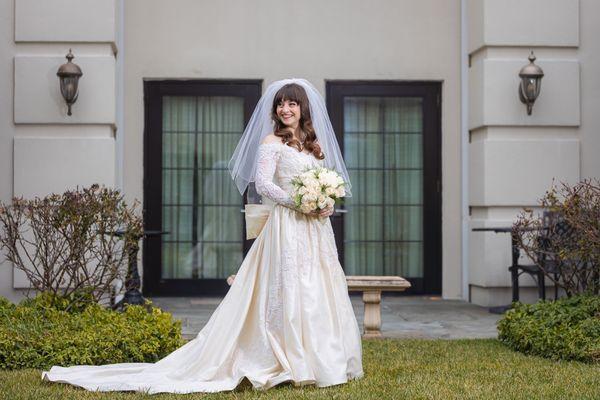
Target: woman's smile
[{"x": 289, "y": 113}]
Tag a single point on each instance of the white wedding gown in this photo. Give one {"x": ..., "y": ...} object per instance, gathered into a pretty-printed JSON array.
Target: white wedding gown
[{"x": 286, "y": 317}]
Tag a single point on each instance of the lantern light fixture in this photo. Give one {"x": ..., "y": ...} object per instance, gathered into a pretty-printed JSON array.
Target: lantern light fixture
[
  {"x": 69, "y": 74},
  {"x": 531, "y": 82}
]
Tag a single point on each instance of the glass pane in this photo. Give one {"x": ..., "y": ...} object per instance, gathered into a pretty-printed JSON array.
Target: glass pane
[
  {"x": 220, "y": 259},
  {"x": 177, "y": 220},
  {"x": 176, "y": 260},
  {"x": 201, "y": 206},
  {"x": 369, "y": 183},
  {"x": 383, "y": 149},
  {"x": 404, "y": 259},
  {"x": 403, "y": 223},
  {"x": 403, "y": 150},
  {"x": 363, "y": 258},
  {"x": 364, "y": 223},
  {"x": 403, "y": 186},
  {"x": 363, "y": 150}
]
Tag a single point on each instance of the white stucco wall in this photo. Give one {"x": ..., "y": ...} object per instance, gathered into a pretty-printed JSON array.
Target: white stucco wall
[
  {"x": 271, "y": 40},
  {"x": 65, "y": 21},
  {"x": 514, "y": 158},
  {"x": 7, "y": 128},
  {"x": 589, "y": 58},
  {"x": 42, "y": 149}
]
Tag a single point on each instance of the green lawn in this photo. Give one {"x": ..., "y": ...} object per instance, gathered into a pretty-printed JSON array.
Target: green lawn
[{"x": 394, "y": 369}]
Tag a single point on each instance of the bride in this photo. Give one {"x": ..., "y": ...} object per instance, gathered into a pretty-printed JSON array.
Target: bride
[{"x": 287, "y": 315}]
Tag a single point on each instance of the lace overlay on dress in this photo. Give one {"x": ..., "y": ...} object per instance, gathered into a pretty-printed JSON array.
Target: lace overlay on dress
[
  {"x": 268, "y": 156},
  {"x": 277, "y": 164}
]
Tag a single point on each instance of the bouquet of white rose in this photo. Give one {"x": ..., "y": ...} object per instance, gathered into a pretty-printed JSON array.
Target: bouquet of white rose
[{"x": 317, "y": 189}]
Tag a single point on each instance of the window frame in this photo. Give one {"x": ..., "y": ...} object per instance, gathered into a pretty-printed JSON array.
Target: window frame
[{"x": 430, "y": 92}]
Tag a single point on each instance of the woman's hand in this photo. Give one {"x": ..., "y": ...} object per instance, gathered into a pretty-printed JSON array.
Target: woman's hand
[{"x": 324, "y": 213}]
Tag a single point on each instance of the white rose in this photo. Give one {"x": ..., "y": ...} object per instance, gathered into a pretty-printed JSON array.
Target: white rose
[
  {"x": 323, "y": 177},
  {"x": 310, "y": 206},
  {"x": 330, "y": 191},
  {"x": 310, "y": 195},
  {"x": 340, "y": 192},
  {"x": 306, "y": 207},
  {"x": 312, "y": 183},
  {"x": 334, "y": 182},
  {"x": 307, "y": 175},
  {"x": 322, "y": 201},
  {"x": 328, "y": 178}
]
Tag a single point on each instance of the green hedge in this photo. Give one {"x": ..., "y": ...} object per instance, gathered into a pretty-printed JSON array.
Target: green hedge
[
  {"x": 35, "y": 335},
  {"x": 566, "y": 329}
]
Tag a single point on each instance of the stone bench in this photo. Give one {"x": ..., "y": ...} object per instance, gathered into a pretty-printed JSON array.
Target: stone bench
[{"x": 371, "y": 287}]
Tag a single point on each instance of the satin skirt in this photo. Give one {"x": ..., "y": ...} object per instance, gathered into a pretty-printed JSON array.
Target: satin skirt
[{"x": 286, "y": 317}]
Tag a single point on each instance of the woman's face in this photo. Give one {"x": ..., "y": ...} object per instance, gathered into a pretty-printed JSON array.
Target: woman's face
[{"x": 289, "y": 113}]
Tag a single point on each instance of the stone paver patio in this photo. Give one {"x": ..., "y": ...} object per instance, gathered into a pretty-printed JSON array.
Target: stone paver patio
[{"x": 402, "y": 316}]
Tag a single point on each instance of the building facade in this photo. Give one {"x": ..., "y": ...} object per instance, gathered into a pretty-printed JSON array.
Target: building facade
[{"x": 422, "y": 94}]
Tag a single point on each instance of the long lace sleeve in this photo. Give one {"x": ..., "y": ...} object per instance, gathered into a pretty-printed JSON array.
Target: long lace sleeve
[{"x": 268, "y": 155}]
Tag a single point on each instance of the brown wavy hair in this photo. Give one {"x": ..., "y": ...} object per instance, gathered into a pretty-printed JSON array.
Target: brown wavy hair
[{"x": 295, "y": 92}]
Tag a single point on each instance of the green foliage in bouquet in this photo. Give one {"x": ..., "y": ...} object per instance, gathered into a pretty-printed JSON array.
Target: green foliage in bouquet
[
  {"x": 565, "y": 329},
  {"x": 39, "y": 333}
]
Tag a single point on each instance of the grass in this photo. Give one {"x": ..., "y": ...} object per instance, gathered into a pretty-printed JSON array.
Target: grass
[{"x": 394, "y": 369}]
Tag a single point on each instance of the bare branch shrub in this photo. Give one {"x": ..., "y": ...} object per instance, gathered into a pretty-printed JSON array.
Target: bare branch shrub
[
  {"x": 565, "y": 240},
  {"x": 67, "y": 244}
]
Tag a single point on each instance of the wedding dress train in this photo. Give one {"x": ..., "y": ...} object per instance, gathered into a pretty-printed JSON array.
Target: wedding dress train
[{"x": 286, "y": 317}]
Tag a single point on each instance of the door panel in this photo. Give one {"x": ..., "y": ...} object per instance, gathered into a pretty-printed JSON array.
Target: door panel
[
  {"x": 200, "y": 205},
  {"x": 192, "y": 130},
  {"x": 389, "y": 134}
]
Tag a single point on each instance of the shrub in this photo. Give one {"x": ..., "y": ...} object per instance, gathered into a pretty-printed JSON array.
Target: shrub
[
  {"x": 70, "y": 244},
  {"x": 565, "y": 243},
  {"x": 34, "y": 334},
  {"x": 74, "y": 302},
  {"x": 565, "y": 329}
]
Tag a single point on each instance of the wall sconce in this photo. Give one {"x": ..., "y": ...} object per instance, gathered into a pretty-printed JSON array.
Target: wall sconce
[
  {"x": 531, "y": 81},
  {"x": 69, "y": 74}
]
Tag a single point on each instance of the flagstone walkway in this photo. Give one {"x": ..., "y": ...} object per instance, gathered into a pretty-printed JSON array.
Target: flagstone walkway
[{"x": 402, "y": 316}]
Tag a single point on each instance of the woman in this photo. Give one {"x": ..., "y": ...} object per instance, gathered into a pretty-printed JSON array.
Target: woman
[{"x": 287, "y": 315}]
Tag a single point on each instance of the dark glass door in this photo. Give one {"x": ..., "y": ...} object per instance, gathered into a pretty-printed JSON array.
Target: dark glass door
[
  {"x": 389, "y": 133},
  {"x": 192, "y": 128}
]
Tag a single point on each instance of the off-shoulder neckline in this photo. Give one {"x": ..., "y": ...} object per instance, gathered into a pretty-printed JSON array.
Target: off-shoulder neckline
[
  {"x": 283, "y": 144},
  {"x": 270, "y": 143}
]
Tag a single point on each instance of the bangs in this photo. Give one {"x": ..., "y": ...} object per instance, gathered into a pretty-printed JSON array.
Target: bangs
[{"x": 290, "y": 92}]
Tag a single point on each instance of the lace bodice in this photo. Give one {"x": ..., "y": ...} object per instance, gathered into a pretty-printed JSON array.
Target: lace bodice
[{"x": 277, "y": 164}]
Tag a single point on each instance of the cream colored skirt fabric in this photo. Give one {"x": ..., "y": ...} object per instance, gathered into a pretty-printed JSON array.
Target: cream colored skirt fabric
[{"x": 287, "y": 317}]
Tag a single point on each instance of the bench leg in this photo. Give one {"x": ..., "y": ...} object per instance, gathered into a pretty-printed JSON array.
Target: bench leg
[{"x": 372, "y": 321}]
